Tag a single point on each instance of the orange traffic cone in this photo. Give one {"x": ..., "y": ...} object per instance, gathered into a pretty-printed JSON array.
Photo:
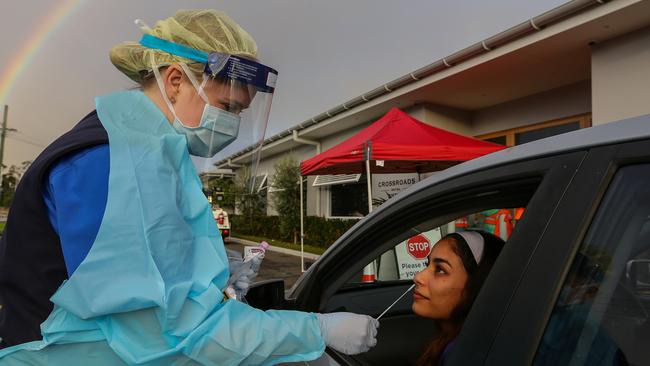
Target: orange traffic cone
[
  {"x": 461, "y": 224},
  {"x": 369, "y": 273},
  {"x": 519, "y": 213}
]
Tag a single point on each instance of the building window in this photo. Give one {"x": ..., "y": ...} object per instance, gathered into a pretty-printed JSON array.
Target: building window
[
  {"x": 350, "y": 199},
  {"x": 501, "y": 140},
  {"x": 521, "y": 135}
]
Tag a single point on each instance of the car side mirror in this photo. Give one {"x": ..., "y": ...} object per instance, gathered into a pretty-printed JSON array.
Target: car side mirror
[{"x": 267, "y": 295}]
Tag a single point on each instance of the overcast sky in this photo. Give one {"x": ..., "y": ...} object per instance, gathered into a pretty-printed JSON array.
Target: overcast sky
[{"x": 326, "y": 52}]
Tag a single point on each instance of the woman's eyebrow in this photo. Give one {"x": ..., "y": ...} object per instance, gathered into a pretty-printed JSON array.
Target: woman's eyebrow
[
  {"x": 441, "y": 260},
  {"x": 233, "y": 103}
]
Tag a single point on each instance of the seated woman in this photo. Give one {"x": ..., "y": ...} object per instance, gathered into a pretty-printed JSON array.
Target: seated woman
[{"x": 444, "y": 291}]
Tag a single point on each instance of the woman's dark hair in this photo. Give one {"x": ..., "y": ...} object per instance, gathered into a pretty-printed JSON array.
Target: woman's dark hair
[{"x": 476, "y": 275}]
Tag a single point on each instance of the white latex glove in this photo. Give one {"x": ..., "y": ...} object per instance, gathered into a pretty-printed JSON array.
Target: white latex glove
[
  {"x": 348, "y": 333},
  {"x": 241, "y": 276}
]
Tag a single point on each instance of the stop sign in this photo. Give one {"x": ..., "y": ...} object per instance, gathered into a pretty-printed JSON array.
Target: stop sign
[{"x": 418, "y": 246}]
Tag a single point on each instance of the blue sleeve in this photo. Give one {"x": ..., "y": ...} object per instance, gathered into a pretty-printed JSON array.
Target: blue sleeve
[{"x": 75, "y": 193}]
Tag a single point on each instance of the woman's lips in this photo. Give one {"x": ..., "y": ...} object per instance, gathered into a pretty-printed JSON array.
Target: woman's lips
[{"x": 418, "y": 296}]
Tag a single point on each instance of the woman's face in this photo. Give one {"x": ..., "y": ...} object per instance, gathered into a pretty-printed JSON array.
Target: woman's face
[
  {"x": 189, "y": 105},
  {"x": 439, "y": 288}
]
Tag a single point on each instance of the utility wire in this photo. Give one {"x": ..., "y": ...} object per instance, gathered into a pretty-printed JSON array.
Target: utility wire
[
  {"x": 29, "y": 138},
  {"x": 25, "y": 141}
]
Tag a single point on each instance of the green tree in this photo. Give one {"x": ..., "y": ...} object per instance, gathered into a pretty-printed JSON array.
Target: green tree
[
  {"x": 249, "y": 202},
  {"x": 286, "y": 196},
  {"x": 223, "y": 192},
  {"x": 10, "y": 180}
]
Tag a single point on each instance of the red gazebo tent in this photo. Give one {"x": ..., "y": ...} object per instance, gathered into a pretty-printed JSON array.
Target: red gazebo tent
[
  {"x": 398, "y": 143},
  {"x": 403, "y": 143}
]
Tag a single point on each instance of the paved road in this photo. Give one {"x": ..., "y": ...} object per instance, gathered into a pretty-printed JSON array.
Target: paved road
[{"x": 276, "y": 265}]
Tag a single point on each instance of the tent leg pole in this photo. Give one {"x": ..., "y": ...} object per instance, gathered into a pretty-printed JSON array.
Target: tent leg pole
[
  {"x": 302, "y": 231},
  {"x": 369, "y": 179},
  {"x": 370, "y": 270}
]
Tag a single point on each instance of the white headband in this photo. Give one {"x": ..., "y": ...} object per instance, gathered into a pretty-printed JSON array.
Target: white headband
[{"x": 475, "y": 242}]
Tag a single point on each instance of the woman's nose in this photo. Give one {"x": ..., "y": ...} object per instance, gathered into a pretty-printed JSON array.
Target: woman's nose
[{"x": 418, "y": 278}]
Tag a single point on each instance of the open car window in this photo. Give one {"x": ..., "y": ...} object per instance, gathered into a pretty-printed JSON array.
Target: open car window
[
  {"x": 408, "y": 257},
  {"x": 409, "y": 234}
]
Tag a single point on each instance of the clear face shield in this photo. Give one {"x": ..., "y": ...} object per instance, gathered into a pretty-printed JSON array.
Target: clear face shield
[{"x": 237, "y": 93}]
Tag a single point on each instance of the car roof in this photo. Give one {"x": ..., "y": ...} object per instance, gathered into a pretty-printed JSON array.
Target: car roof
[{"x": 630, "y": 129}]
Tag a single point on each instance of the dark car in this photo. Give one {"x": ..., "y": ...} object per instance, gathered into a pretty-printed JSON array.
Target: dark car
[{"x": 570, "y": 286}]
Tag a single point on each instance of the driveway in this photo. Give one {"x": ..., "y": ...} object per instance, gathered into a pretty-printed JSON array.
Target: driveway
[{"x": 276, "y": 265}]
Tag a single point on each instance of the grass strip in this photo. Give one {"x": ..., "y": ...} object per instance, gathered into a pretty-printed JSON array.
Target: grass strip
[{"x": 283, "y": 244}]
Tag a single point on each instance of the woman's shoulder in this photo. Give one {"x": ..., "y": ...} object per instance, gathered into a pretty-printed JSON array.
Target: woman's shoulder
[
  {"x": 85, "y": 137},
  {"x": 445, "y": 352},
  {"x": 89, "y": 159}
]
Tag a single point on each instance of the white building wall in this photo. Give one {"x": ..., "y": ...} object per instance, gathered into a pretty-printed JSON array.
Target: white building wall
[
  {"x": 447, "y": 118},
  {"x": 333, "y": 140},
  {"x": 328, "y": 143},
  {"x": 552, "y": 104},
  {"x": 541, "y": 107},
  {"x": 267, "y": 166},
  {"x": 620, "y": 71}
]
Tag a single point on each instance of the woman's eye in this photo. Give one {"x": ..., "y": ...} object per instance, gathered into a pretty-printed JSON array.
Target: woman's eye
[
  {"x": 439, "y": 269},
  {"x": 235, "y": 109},
  {"x": 225, "y": 106}
]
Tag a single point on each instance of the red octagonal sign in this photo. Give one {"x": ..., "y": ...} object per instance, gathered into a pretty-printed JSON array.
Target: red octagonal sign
[{"x": 418, "y": 246}]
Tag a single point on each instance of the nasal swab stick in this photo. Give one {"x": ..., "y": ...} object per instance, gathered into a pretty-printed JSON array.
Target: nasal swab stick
[{"x": 395, "y": 302}]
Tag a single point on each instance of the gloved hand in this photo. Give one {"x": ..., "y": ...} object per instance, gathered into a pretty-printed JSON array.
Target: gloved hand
[
  {"x": 241, "y": 274},
  {"x": 348, "y": 333}
]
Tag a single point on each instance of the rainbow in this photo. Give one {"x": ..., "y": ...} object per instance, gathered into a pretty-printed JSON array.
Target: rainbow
[{"x": 23, "y": 58}]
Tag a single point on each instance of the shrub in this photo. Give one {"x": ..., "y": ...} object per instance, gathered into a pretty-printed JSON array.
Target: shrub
[
  {"x": 319, "y": 231},
  {"x": 322, "y": 232}
]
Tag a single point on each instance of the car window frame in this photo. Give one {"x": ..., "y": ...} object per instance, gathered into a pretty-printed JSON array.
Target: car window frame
[
  {"x": 523, "y": 325},
  {"x": 555, "y": 173}
]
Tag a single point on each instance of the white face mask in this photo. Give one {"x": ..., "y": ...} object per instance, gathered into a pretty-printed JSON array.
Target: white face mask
[{"x": 216, "y": 130}]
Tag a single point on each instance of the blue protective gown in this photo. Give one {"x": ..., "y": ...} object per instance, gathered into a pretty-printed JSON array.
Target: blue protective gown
[{"x": 149, "y": 291}]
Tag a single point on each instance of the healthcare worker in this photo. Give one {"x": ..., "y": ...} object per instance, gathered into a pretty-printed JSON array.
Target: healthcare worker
[{"x": 110, "y": 254}]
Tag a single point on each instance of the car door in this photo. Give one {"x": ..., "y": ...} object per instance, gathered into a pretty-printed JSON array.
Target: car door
[
  {"x": 332, "y": 284},
  {"x": 580, "y": 301}
]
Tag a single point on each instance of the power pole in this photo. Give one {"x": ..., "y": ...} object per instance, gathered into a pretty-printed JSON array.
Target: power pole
[{"x": 3, "y": 134}]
